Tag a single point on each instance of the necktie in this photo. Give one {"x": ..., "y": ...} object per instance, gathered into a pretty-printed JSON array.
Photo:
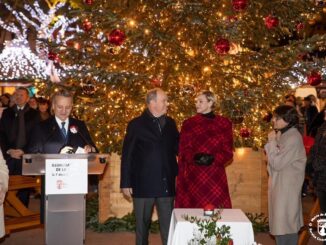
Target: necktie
[{"x": 63, "y": 129}]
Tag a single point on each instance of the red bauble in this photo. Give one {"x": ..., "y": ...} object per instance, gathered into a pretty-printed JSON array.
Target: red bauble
[
  {"x": 156, "y": 82},
  {"x": 53, "y": 56},
  {"x": 116, "y": 37},
  {"x": 244, "y": 133},
  {"x": 230, "y": 242},
  {"x": 300, "y": 26},
  {"x": 87, "y": 25},
  {"x": 303, "y": 56},
  {"x": 239, "y": 5},
  {"x": 314, "y": 78},
  {"x": 271, "y": 21},
  {"x": 88, "y": 2},
  {"x": 222, "y": 46}
]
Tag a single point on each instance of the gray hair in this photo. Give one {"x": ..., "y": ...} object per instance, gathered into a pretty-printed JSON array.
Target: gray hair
[
  {"x": 210, "y": 97},
  {"x": 152, "y": 95},
  {"x": 63, "y": 93}
]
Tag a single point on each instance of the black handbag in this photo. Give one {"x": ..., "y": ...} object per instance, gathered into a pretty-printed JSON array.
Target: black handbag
[{"x": 203, "y": 159}]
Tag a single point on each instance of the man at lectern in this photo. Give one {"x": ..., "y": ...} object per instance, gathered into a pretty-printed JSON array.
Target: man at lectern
[{"x": 60, "y": 133}]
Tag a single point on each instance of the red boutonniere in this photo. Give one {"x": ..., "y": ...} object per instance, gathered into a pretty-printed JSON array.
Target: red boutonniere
[{"x": 73, "y": 129}]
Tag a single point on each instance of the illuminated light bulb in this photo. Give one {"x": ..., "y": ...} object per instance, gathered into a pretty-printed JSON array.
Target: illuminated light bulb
[{"x": 132, "y": 23}]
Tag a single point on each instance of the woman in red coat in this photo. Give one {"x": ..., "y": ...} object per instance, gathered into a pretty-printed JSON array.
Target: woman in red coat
[{"x": 206, "y": 146}]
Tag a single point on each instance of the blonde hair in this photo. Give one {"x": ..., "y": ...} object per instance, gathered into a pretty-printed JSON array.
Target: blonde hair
[{"x": 210, "y": 97}]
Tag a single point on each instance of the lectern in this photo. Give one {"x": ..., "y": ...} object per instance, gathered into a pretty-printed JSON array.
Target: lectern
[{"x": 66, "y": 187}]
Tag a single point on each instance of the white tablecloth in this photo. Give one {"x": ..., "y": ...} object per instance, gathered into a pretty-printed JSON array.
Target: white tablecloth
[{"x": 182, "y": 231}]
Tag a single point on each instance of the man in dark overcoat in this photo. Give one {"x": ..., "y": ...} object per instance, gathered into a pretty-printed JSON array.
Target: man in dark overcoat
[
  {"x": 149, "y": 165},
  {"x": 16, "y": 125}
]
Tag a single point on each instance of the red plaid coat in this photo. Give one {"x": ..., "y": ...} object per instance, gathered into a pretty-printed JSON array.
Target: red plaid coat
[{"x": 200, "y": 185}]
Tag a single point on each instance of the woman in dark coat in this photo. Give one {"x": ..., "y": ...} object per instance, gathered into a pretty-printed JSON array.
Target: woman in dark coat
[{"x": 206, "y": 146}]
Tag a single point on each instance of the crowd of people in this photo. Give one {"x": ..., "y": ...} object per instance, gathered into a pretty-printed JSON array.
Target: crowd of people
[{"x": 162, "y": 167}]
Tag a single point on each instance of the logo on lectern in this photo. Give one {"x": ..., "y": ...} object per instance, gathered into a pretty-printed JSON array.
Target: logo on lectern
[{"x": 317, "y": 227}]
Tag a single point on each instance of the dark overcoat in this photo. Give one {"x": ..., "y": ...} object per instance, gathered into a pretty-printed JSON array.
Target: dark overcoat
[
  {"x": 148, "y": 163},
  {"x": 9, "y": 126}
]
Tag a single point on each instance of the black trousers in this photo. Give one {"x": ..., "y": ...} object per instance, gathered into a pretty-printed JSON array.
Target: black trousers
[{"x": 143, "y": 208}]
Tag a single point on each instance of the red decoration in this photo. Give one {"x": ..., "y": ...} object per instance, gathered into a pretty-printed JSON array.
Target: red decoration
[
  {"x": 230, "y": 242},
  {"x": 314, "y": 78},
  {"x": 222, "y": 46},
  {"x": 209, "y": 207},
  {"x": 239, "y": 5},
  {"x": 300, "y": 26},
  {"x": 244, "y": 133},
  {"x": 308, "y": 142},
  {"x": 87, "y": 25},
  {"x": 303, "y": 56},
  {"x": 116, "y": 37},
  {"x": 232, "y": 18},
  {"x": 88, "y": 2},
  {"x": 156, "y": 82},
  {"x": 271, "y": 21},
  {"x": 53, "y": 56}
]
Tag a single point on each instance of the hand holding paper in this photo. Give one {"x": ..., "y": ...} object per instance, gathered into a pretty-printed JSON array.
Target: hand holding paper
[{"x": 67, "y": 150}]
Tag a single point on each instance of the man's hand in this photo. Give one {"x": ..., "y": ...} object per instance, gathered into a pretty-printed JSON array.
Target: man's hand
[
  {"x": 127, "y": 192},
  {"x": 89, "y": 149},
  {"x": 15, "y": 153},
  {"x": 66, "y": 150}
]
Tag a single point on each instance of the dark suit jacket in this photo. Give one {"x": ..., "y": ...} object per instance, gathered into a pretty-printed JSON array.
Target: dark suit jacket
[
  {"x": 47, "y": 136},
  {"x": 9, "y": 125},
  {"x": 148, "y": 163}
]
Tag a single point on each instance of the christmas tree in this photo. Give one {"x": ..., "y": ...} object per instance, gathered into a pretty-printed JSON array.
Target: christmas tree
[{"x": 249, "y": 52}]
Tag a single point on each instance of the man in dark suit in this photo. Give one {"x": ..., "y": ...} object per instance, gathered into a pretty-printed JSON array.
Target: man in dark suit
[
  {"x": 60, "y": 133},
  {"x": 149, "y": 166},
  {"x": 16, "y": 125}
]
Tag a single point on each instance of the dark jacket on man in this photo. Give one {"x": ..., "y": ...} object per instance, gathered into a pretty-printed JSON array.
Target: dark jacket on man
[
  {"x": 48, "y": 137},
  {"x": 9, "y": 127},
  {"x": 148, "y": 163}
]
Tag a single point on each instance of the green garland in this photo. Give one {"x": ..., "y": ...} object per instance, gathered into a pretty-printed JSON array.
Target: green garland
[{"x": 128, "y": 222}]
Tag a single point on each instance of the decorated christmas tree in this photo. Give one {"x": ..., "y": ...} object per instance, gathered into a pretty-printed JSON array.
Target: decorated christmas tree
[{"x": 249, "y": 52}]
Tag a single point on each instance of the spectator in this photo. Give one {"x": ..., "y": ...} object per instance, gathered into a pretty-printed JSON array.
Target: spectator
[{"x": 286, "y": 167}]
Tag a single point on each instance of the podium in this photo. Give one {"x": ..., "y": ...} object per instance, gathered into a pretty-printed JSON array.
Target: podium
[{"x": 65, "y": 214}]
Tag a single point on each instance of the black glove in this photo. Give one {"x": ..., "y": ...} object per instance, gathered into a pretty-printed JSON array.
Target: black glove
[{"x": 203, "y": 159}]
